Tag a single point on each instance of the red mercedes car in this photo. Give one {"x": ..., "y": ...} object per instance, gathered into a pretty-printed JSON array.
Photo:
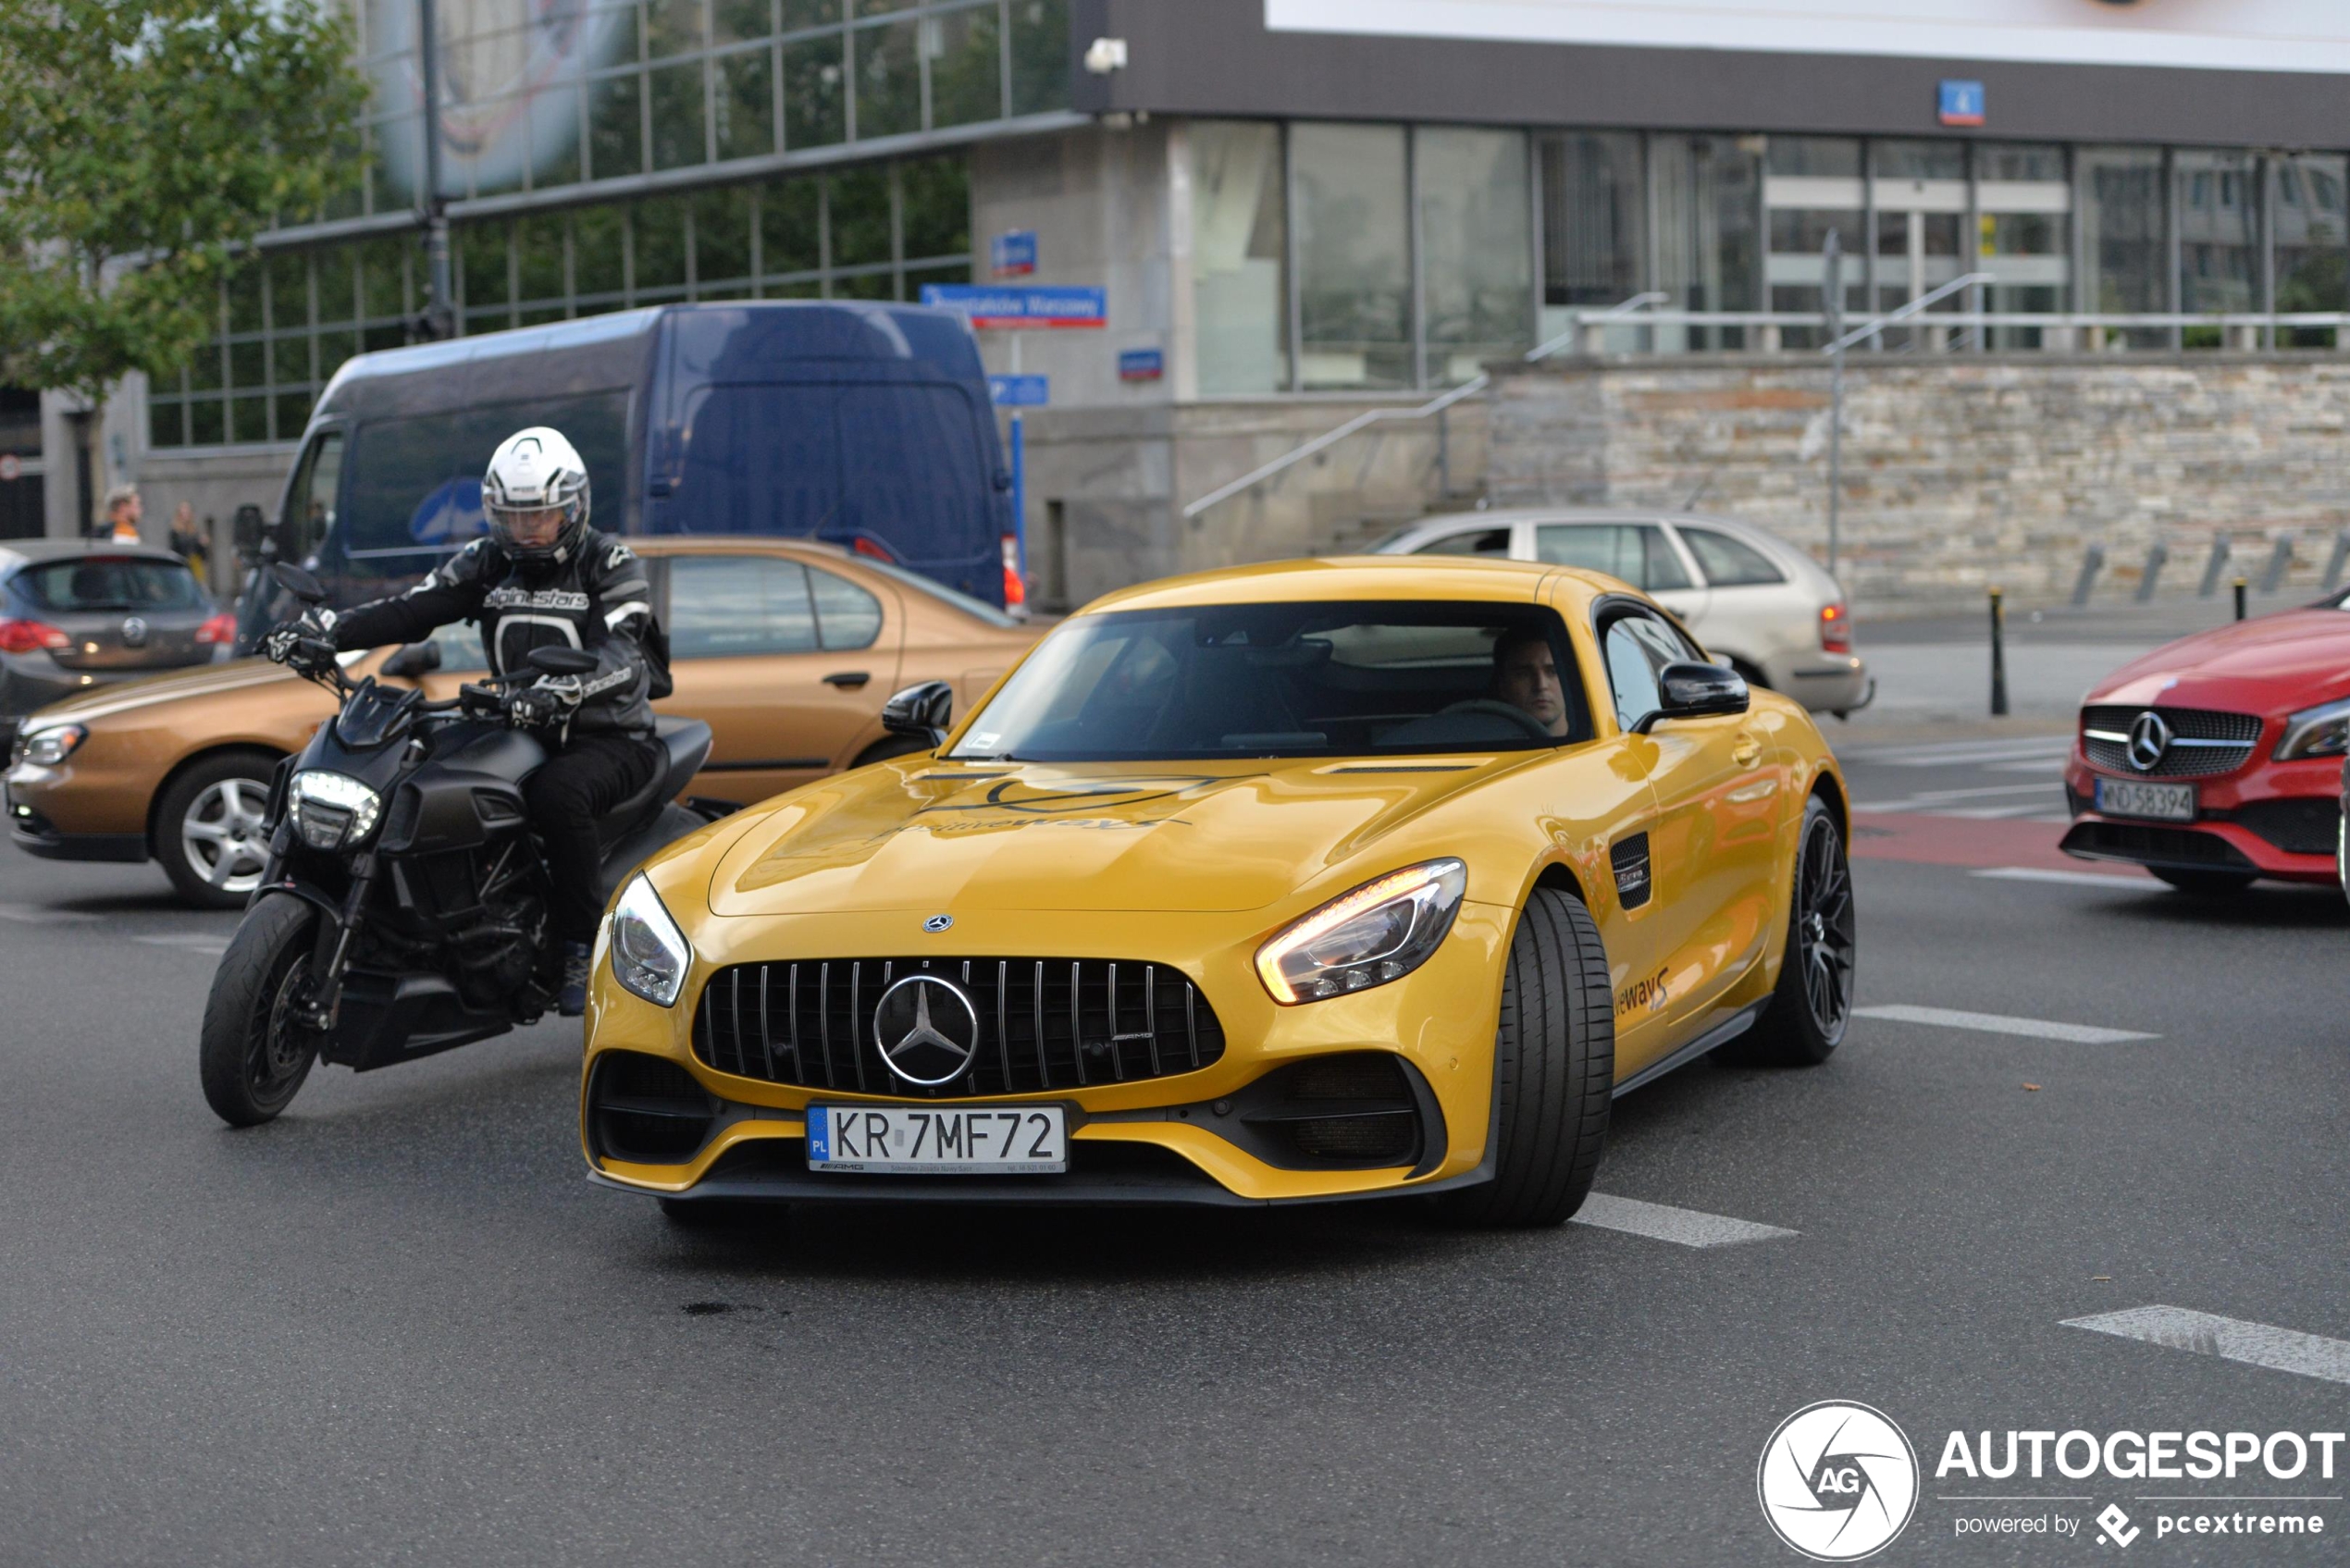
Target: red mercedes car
[{"x": 2218, "y": 758}]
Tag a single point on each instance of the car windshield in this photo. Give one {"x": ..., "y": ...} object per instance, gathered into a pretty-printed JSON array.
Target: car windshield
[
  {"x": 109, "y": 582},
  {"x": 1340, "y": 679}
]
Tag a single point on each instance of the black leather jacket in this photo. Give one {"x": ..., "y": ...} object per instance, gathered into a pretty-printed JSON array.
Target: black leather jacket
[{"x": 598, "y": 597}]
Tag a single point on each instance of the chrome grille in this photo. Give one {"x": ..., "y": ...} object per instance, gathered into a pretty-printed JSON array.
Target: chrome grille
[
  {"x": 1045, "y": 1025},
  {"x": 2203, "y": 741}
]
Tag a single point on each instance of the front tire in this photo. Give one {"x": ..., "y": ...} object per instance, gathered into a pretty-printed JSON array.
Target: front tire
[
  {"x": 255, "y": 1055},
  {"x": 1812, "y": 1006},
  {"x": 2206, "y": 884},
  {"x": 1555, "y": 1060},
  {"x": 209, "y": 832}
]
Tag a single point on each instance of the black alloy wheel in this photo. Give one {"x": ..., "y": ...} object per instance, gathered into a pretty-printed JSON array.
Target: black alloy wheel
[
  {"x": 1812, "y": 1006},
  {"x": 256, "y": 1050}
]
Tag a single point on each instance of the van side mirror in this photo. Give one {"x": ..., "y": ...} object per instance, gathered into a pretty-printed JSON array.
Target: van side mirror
[
  {"x": 923, "y": 712},
  {"x": 1697, "y": 691},
  {"x": 247, "y": 529},
  {"x": 297, "y": 582},
  {"x": 415, "y": 658}
]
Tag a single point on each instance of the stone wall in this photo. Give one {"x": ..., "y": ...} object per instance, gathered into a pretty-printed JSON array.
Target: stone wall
[{"x": 1960, "y": 471}]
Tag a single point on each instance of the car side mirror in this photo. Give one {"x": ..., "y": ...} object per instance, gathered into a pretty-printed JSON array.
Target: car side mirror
[
  {"x": 923, "y": 711},
  {"x": 562, "y": 661},
  {"x": 1690, "y": 690},
  {"x": 297, "y": 582},
  {"x": 247, "y": 529},
  {"x": 414, "y": 659}
]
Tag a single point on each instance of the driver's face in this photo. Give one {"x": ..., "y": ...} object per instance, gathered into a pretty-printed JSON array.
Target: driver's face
[
  {"x": 534, "y": 529},
  {"x": 1528, "y": 680}
]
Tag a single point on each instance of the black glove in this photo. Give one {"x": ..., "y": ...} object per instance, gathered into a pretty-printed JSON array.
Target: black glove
[
  {"x": 305, "y": 646},
  {"x": 545, "y": 702}
]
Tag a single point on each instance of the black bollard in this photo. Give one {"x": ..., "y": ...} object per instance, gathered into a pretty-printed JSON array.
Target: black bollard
[
  {"x": 1998, "y": 658},
  {"x": 2240, "y": 585}
]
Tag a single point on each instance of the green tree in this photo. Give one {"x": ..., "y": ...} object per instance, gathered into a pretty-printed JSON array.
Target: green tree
[{"x": 165, "y": 135}]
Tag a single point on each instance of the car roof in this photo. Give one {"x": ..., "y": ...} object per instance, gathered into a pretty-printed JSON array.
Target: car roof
[
  {"x": 1500, "y": 519},
  {"x": 1342, "y": 577},
  {"x": 28, "y": 552}
]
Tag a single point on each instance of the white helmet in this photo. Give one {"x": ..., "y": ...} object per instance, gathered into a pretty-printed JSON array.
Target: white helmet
[{"x": 534, "y": 472}]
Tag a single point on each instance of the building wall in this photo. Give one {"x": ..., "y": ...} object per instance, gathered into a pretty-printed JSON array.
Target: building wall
[{"x": 1958, "y": 474}]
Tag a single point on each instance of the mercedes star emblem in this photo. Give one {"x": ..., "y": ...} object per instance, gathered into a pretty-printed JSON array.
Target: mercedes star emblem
[
  {"x": 937, "y": 923},
  {"x": 134, "y": 632},
  {"x": 927, "y": 1030},
  {"x": 2149, "y": 738}
]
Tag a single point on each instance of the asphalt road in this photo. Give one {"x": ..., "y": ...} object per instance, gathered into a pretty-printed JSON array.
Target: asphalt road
[{"x": 399, "y": 1326}]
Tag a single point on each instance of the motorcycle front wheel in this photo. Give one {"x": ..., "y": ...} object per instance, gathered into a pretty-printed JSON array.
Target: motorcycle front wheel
[{"x": 255, "y": 1053}]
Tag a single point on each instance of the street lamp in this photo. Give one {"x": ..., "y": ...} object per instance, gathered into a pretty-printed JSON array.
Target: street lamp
[{"x": 440, "y": 316}]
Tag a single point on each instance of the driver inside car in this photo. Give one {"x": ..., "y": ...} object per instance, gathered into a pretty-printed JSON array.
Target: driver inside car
[
  {"x": 1526, "y": 676},
  {"x": 541, "y": 578}
]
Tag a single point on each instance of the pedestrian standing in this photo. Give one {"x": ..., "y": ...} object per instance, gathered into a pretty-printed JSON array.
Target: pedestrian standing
[
  {"x": 189, "y": 542},
  {"x": 123, "y": 514}
]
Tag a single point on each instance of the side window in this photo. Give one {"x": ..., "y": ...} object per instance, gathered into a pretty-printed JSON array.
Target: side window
[
  {"x": 1729, "y": 562},
  {"x": 1631, "y": 677},
  {"x": 460, "y": 647},
  {"x": 1661, "y": 564},
  {"x": 729, "y": 606},
  {"x": 846, "y": 616},
  {"x": 1592, "y": 547},
  {"x": 310, "y": 503},
  {"x": 1471, "y": 541}
]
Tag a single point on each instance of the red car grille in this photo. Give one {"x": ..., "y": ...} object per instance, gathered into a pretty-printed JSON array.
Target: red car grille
[{"x": 2205, "y": 742}]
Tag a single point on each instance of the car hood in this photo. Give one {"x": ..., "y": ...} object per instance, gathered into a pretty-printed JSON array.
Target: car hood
[
  {"x": 208, "y": 680},
  {"x": 1183, "y": 837},
  {"x": 2272, "y": 665}
]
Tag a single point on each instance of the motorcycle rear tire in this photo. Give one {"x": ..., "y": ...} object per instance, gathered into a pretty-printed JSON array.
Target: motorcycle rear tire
[{"x": 254, "y": 1057}]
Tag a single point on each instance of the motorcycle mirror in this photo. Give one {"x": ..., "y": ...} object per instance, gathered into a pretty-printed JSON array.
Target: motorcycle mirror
[
  {"x": 297, "y": 582},
  {"x": 562, "y": 661},
  {"x": 416, "y": 659}
]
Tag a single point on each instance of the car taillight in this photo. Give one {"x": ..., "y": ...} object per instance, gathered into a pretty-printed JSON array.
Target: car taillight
[
  {"x": 1015, "y": 586},
  {"x": 30, "y": 636},
  {"x": 220, "y": 628},
  {"x": 1836, "y": 629},
  {"x": 861, "y": 545}
]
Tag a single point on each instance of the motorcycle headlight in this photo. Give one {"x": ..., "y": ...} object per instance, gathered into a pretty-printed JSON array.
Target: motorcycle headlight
[
  {"x": 1381, "y": 931},
  {"x": 649, "y": 955},
  {"x": 46, "y": 748},
  {"x": 2322, "y": 731},
  {"x": 332, "y": 810}
]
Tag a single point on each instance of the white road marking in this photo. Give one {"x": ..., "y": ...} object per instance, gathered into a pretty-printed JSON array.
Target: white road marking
[
  {"x": 1926, "y": 799},
  {"x": 1661, "y": 1222},
  {"x": 194, "y": 942},
  {"x": 2000, "y": 1023},
  {"x": 1959, "y": 753},
  {"x": 2229, "y": 1339},
  {"x": 2126, "y": 882},
  {"x": 33, "y": 915},
  {"x": 1986, "y": 813}
]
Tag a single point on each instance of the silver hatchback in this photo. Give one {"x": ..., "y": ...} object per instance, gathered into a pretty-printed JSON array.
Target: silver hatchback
[
  {"x": 74, "y": 616},
  {"x": 1747, "y": 595}
]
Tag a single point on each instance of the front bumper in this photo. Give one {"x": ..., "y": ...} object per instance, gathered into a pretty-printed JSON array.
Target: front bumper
[
  {"x": 1185, "y": 1138},
  {"x": 2276, "y": 820}
]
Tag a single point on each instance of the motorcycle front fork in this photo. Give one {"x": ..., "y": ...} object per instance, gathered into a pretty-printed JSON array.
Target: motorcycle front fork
[{"x": 331, "y": 955}]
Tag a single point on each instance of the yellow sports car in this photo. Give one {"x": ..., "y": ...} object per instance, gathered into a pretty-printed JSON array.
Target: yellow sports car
[{"x": 1321, "y": 879}]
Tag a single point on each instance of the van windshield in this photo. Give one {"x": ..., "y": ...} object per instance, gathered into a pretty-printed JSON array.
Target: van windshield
[
  {"x": 414, "y": 487},
  {"x": 1354, "y": 679}
]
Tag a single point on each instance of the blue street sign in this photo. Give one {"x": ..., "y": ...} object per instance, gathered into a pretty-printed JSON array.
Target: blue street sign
[
  {"x": 1020, "y": 391},
  {"x": 1141, "y": 364},
  {"x": 1012, "y": 255},
  {"x": 1021, "y": 309},
  {"x": 1961, "y": 102}
]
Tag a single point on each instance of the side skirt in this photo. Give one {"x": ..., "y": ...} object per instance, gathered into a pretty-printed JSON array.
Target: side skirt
[{"x": 1721, "y": 1034}]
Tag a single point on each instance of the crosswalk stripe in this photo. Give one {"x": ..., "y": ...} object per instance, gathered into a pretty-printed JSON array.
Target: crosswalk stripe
[
  {"x": 2229, "y": 1339},
  {"x": 2125, "y": 882},
  {"x": 193, "y": 941},
  {"x": 2000, "y": 1023},
  {"x": 1662, "y": 1222}
]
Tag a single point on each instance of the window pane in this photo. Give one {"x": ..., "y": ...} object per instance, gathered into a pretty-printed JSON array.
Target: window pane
[
  {"x": 812, "y": 13},
  {"x": 616, "y": 136},
  {"x": 293, "y": 413},
  {"x": 333, "y": 348},
  {"x": 2312, "y": 232},
  {"x": 1475, "y": 541},
  {"x": 2121, "y": 231},
  {"x": 205, "y": 368},
  {"x": 1353, "y": 254},
  {"x": 248, "y": 365},
  {"x": 889, "y": 88},
  {"x": 208, "y": 423},
  {"x": 739, "y": 21},
  {"x": 2019, "y": 160},
  {"x": 860, "y": 204},
  {"x": 596, "y": 255},
  {"x": 482, "y": 259},
  {"x": 722, "y": 236},
  {"x": 660, "y": 229},
  {"x": 1591, "y": 546},
  {"x": 539, "y": 245},
  {"x": 335, "y": 283},
  {"x": 672, "y": 27},
  {"x": 1239, "y": 290},
  {"x": 2219, "y": 233},
  {"x": 554, "y": 132},
  {"x": 244, "y": 299},
  {"x": 289, "y": 288},
  {"x": 1728, "y": 562},
  {"x": 167, "y": 424},
  {"x": 248, "y": 420},
  {"x": 729, "y": 606},
  {"x": 787, "y": 218},
  {"x": 1040, "y": 56},
  {"x": 1476, "y": 232},
  {"x": 289, "y": 360},
  {"x": 936, "y": 194},
  {"x": 677, "y": 115},
  {"x": 1708, "y": 247},
  {"x": 1836, "y": 155},
  {"x": 1593, "y": 215},
  {"x": 847, "y": 615},
  {"x": 746, "y": 105},
  {"x": 966, "y": 67},
  {"x": 1918, "y": 160},
  {"x": 1630, "y": 677},
  {"x": 815, "y": 111},
  {"x": 1662, "y": 571}
]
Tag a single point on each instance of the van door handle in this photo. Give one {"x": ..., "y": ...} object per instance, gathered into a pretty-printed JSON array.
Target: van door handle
[{"x": 848, "y": 678}]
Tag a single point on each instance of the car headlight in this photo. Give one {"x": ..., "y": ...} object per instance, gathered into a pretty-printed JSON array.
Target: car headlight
[
  {"x": 46, "y": 748},
  {"x": 649, "y": 955},
  {"x": 332, "y": 810},
  {"x": 2322, "y": 731},
  {"x": 1381, "y": 931}
]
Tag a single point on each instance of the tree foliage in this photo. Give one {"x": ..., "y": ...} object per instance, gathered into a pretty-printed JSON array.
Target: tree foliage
[{"x": 164, "y": 133}]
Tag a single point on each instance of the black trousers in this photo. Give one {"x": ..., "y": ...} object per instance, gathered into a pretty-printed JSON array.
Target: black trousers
[{"x": 579, "y": 783}]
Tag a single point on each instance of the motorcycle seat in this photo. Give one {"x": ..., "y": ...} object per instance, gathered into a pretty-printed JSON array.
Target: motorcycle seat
[{"x": 685, "y": 743}]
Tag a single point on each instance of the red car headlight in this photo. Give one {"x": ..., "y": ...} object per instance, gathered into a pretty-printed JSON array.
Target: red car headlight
[{"x": 2323, "y": 731}]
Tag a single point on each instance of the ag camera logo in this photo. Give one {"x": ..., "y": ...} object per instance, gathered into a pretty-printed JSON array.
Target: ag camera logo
[{"x": 1838, "y": 1481}]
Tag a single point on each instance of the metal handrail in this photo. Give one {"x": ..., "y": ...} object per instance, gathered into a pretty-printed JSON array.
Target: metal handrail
[
  {"x": 1870, "y": 328},
  {"x": 1617, "y": 312}
]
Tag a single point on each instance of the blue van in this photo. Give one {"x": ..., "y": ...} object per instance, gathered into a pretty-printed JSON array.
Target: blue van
[{"x": 867, "y": 426}]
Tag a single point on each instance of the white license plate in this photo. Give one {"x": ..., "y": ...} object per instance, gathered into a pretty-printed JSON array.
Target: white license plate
[
  {"x": 2163, "y": 802},
  {"x": 939, "y": 1140}
]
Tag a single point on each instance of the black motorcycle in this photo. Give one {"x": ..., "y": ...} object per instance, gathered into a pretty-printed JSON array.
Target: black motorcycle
[{"x": 403, "y": 909}]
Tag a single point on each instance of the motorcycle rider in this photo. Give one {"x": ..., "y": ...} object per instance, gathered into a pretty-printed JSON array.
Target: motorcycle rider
[{"x": 541, "y": 577}]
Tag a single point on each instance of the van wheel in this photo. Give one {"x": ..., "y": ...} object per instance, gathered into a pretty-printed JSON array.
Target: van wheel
[
  {"x": 209, "y": 832},
  {"x": 1554, "y": 1058},
  {"x": 1812, "y": 1006}
]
